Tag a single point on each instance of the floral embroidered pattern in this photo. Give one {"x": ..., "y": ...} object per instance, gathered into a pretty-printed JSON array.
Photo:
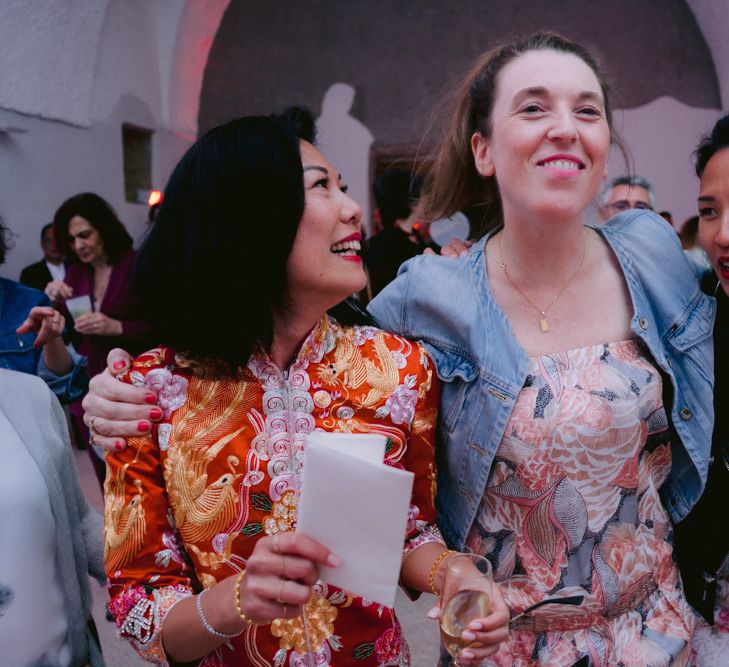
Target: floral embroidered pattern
[
  {"x": 222, "y": 469},
  {"x": 320, "y": 615}
]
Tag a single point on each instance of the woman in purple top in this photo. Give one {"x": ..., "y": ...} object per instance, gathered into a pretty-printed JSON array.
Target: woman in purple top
[
  {"x": 100, "y": 256},
  {"x": 100, "y": 259}
]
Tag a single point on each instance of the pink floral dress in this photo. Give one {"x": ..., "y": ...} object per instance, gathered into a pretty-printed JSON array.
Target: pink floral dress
[{"x": 572, "y": 507}]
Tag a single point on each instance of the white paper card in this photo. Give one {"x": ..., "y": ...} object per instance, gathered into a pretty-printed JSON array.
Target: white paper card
[
  {"x": 367, "y": 446},
  {"x": 358, "y": 508},
  {"x": 79, "y": 305}
]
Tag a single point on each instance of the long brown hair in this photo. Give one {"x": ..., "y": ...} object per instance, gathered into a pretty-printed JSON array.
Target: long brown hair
[{"x": 452, "y": 182}]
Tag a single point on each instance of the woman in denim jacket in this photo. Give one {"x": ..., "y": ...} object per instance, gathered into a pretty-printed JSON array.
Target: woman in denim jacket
[{"x": 576, "y": 366}]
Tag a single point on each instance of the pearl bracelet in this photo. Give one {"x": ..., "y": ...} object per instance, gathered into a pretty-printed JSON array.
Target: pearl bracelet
[{"x": 207, "y": 626}]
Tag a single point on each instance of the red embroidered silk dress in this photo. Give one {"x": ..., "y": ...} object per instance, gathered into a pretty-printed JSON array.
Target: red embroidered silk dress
[{"x": 186, "y": 504}]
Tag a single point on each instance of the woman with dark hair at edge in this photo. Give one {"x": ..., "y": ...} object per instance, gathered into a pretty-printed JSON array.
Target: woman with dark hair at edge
[
  {"x": 31, "y": 336},
  {"x": 576, "y": 369},
  {"x": 702, "y": 539},
  {"x": 256, "y": 240}
]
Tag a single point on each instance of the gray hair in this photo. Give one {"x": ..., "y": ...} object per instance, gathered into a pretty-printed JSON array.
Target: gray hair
[{"x": 632, "y": 181}]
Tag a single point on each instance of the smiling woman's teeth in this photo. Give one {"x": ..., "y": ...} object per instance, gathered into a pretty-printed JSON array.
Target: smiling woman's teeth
[
  {"x": 346, "y": 248},
  {"x": 562, "y": 164}
]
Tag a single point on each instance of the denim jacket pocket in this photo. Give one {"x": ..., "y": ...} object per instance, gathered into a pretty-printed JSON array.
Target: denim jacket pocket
[
  {"x": 697, "y": 324},
  {"x": 457, "y": 374}
]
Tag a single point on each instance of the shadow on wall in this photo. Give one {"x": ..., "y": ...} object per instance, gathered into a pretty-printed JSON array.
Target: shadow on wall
[{"x": 346, "y": 143}]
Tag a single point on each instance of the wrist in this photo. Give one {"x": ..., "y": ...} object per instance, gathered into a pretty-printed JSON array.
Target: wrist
[
  {"x": 213, "y": 621},
  {"x": 435, "y": 578}
]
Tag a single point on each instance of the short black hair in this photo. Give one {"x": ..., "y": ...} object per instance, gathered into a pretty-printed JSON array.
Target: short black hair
[
  {"x": 214, "y": 264},
  {"x": 101, "y": 216},
  {"x": 46, "y": 227},
  {"x": 395, "y": 191},
  {"x": 711, "y": 144}
]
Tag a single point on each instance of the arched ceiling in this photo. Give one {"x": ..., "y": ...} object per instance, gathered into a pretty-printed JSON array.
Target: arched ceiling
[{"x": 403, "y": 56}]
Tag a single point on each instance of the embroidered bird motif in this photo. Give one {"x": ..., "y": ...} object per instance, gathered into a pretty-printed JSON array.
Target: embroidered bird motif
[
  {"x": 125, "y": 525},
  {"x": 383, "y": 377},
  {"x": 201, "y": 509}
]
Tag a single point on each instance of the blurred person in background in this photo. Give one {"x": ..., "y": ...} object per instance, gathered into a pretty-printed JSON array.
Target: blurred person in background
[
  {"x": 689, "y": 236},
  {"x": 100, "y": 265},
  {"x": 623, "y": 193},
  {"x": 50, "y": 268},
  {"x": 100, "y": 260},
  {"x": 396, "y": 194},
  {"x": 31, "y": 336}
]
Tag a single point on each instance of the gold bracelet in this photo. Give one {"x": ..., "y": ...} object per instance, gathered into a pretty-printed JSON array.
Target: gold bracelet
[
  {"x": 434, "y": 569},
  {"x": 247, "y": 621}
]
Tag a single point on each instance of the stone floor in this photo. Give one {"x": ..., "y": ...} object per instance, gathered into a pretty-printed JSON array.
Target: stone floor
[{"x": 420, "y": 632}]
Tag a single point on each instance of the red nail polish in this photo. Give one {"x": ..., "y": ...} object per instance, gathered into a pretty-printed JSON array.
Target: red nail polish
[
  {"x": 118, "y": 445},
  {"x": 155, "y": 413},
  {"x": 119, "y": 364},
  {"x": 150, "y": 398},
  {"x": 142, "y": 427}
]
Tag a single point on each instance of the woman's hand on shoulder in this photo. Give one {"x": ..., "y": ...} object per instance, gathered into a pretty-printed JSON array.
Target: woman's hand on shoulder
[
  {"x": 456, "y": 248},
  {"x": 47, "y": 322},
  {"x": 57, "y": 291},
  {"x": 116, "y": 410}
]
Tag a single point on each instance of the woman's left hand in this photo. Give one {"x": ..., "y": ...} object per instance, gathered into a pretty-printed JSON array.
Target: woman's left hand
[
  {"x": 484, "y": 635},
  {"x": 98, "y": 324},
  {"x": 46, "y": 321}
]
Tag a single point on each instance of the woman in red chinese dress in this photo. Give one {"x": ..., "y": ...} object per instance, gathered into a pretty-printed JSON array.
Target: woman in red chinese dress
[{"x": 255, "y": 242}]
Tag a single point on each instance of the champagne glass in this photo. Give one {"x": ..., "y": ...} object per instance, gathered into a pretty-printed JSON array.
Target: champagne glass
[{"x": 465, "y": 596}]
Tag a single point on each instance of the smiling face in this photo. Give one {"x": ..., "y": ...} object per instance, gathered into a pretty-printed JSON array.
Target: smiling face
[
  {"x": 324, "y": 264},
  {"x": 85, "y": 240},
  {"x": 714, "y": 214},
  {"x": 549, "y": 138}
]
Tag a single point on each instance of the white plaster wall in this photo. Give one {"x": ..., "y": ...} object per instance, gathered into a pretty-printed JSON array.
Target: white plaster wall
[
  {"x": 45, "y": 49},
  {"x": 102, "y": 64}
]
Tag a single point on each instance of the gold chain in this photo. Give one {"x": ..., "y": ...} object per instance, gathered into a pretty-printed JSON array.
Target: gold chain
[{"x": 543, "y": 322}]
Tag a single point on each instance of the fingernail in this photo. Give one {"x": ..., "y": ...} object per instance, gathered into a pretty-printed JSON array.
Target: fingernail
[
  {"x": 468, "y": 636},
  {"x": 142, "y": 427},
  {"x": 118, "y": 445},
  {"x": 333, "y": 560},
  {"x": 474, "y": 626},
  {"x": 155, "y": 413},
  {"x": 150, "y": 398},
  {"x": 467, "y": 655},
  {"x": 36, "y": 344},
  {"x": 433, "y": 613},
  {"x": 119, "y": 364}
]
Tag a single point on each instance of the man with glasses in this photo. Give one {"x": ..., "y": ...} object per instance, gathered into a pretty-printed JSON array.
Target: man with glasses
[{"x": 623, "y": 193}]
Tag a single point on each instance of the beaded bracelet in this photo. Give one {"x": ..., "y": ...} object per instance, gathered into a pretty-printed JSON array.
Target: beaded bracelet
[
  {"x": 206, "y": 625},
  {"x": 434, "y": 569},
  {"x": 248, "y": 622}
]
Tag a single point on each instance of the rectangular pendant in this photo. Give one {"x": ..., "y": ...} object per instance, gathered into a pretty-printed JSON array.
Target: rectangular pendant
[{"x": 543, "y": 324}]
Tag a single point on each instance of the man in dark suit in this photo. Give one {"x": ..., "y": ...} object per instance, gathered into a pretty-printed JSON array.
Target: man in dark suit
[{"x": 51, "y": 267}]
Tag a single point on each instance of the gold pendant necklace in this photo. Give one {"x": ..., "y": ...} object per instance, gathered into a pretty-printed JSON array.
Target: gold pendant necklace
[{"x": 543, "y": 321}]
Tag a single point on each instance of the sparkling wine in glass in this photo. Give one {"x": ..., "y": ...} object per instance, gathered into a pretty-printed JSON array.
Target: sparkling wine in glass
[{"x": 465, "y": 596}]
